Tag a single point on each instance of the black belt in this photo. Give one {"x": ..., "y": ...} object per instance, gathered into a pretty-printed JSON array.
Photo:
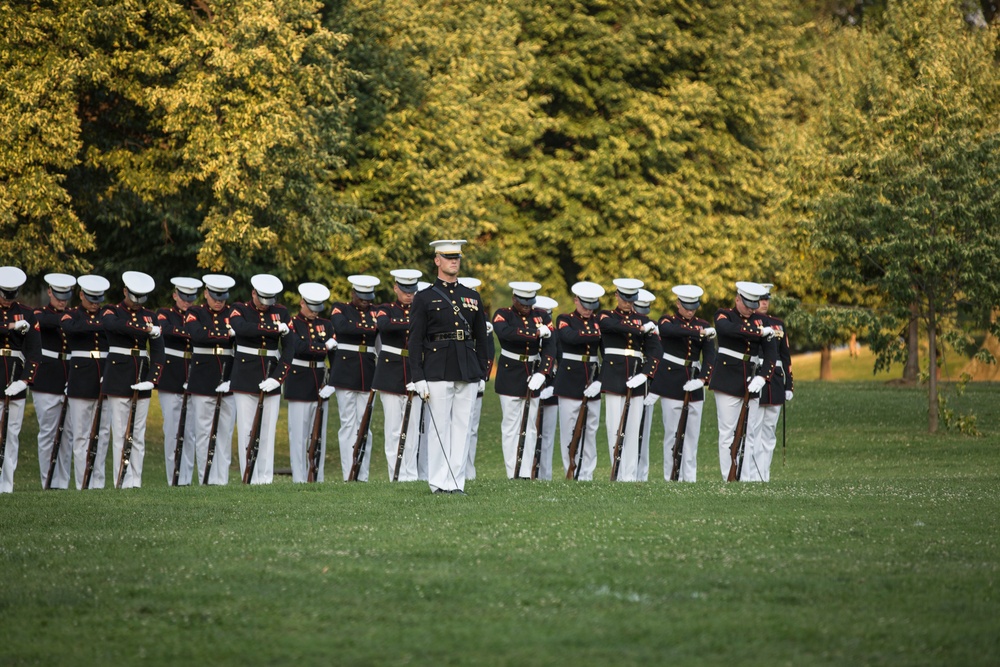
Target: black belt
[{"x": 451, "y": 335}]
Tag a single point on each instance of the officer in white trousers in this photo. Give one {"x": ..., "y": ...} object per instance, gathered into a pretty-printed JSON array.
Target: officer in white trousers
[
  {"x": 18, "y": 340},
  {"x": 477, "y": 411}
]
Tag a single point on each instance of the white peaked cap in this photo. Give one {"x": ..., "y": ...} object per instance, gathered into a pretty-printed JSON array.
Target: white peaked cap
[
  {"x": 546, "y": 303},
  {"x": 644, "y": 298},
  {"x": 471, "y": 283},
  {"x": 688, "y": 293},
  {"x": 448, "y": 246},
  {"x": 186, "y": 285},
  {"x": 525, "y": 289},
  {"x": 138, "y": 283},
  {"x": 94, "y": 286},
  {"x": 216, "y": 282},
  {"x": 266, "y": 285},
  {"x": 60, "y": 282},
  {"x": 406, "y": 276},
  {"x": 11, "y": 278},
  {"x": 363, "y": 284},
  {"x": 628, "y": 287},
  {"x": 314, "y": 294},
  {"x": 588, "y": 291},
  {"x": 750, "y": 291}
]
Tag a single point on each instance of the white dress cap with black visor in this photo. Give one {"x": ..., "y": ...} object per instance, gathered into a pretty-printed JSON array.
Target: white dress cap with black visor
[
  {"x": 138, "y": 285},
  {"x": 406, "y": 279},
  {"x": 61, "y": 285},
  {"x": 524, "y": 291},
  {"x": 93, "y": 287},
  {"x": 628, "y": 288},
  {"x": 314, "y": 296},
  {"x": 186, "y": 288},
  {"x": 364, "y": 286},
  {"x": 589, "y": 294},
  {"x": 643, "y": 301},
  {"x": 268, "y": 288},
  {"x": 768, "y": 287},
  {"x": 688, "y": 295},
  {"x": 750, "y": 293},
  {"x": 548, "y": 304},
  {"x": 11, "y": 279},
  {"x": 471, "y": 283},
  {"x": 218, "y": 286},
  {"x": 449, "y": 248}
]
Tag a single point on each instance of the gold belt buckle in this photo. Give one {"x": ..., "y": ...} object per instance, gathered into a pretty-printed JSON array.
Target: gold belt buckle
[
  {"x": 585, "y": 358},
  {"x": 134, "y": 352},
  {"x": 262, "y": 352},
  {"x": 460, "y": 335},
  {"x": 218, "y": 351},
  {"x": 95, "y": 354},
  {"x": 187, "y": 355},
  {"x": 362, "y": 348},
  {"x": 5, "y": 352}
]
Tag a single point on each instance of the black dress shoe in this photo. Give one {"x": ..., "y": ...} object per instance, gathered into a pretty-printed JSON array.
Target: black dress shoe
[
  {"x": 441, "y": 491},
  {"x": 459, "y": 492}
]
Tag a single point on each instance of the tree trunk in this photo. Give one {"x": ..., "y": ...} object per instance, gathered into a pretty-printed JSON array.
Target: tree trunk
[
  {"x": 825, "y": 368},
  {"x": 911, "y": 371},
  {"x": 932, "y": 382}
]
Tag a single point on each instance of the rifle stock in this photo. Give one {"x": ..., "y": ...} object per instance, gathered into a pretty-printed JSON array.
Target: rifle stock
[
  {"x": 126, "y": 457},
  {"x": 678, "y": 453},
  {"x": 315, "y": 450},
  {"x": 620, "y": 436},
  {"x": 92, "y": 442},
  {"x": 739, "y": 441},
  {"x": 402, "y": 435},
  {"x": 179, "y": 446},
  {"x": 57, "y": 443},
  {"x": 361, "y": 441},
  {"x": 573, "y": 471},
  {"x": 536, "y": 461},
  {"x": 253, "y": 443}
]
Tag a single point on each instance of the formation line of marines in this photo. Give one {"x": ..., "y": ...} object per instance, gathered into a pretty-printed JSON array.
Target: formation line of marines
[{"x": 221, "y": 368}]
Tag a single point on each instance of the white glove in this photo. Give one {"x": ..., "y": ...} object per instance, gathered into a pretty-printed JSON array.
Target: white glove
[
  {"x": 15, "y": 387},
  {"x": 155, "y": 331},
  {"x": 693, "y": 385},
  {"x": 331, "y": 343},
  {"x": 185, "y": 386},
  {"x": 650, "y": 399},
  {"x": 223, "y": 388},
  {"x": 482, "y": 386},
  {"x": 546, "y": 393},
  {"x": 593, "y": 389},
  {"x": 649, "y": 327},
  {"x": 756, "y": 384},
  {"x": 232, "y": 331},
  {"x": 636, "y": 380},
  {"x": 708, "y": 332},
  {"x": 489, "y": 327},
  {"x": 269, "y": 384},
  {"x": 283, "y": 328},
  {"x": 20, "y": 326},
  {"x": 788, "y": 396},
  {"x": 411, "y": 387},
  {"x": 423, "y": 391},
  {"x": 143, "y": 386},
  {"x": 767, "y": 332},
  {"x": 544, "y": 331},
  {"x": 326, "y": 392},
  {"x": 536, "y": 381}
]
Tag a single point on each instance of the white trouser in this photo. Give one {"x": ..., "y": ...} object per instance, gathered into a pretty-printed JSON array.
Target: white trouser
[
  {"x": 569, "y": 412},
  {"x": 81, "y": 413},
  {"x": 689, "y": 454},
  {"x": 351, "y": 407},
  {"x": 48, "y": 407},
  {"x": 512, "y": 409},
  {"x": 642, "y": 471},
  {"x": 201, "y": 412},
  {"x": 119, "y": 408},
  {"x": 10, "y": 451},
  {"x": 470, "y": 459},
  {"x": 170, "y": 406},
  {"x": 301, "y": 419},
  {"x": 764, "y": 441},
  {"x": 550, "y": 419},
  {"x": 449, "y": 411},
  {"x": 614, "y": 405},
  {"x": 425, "y": 429},
  {"x": 728, "y": 409},
  {"x": 246, "y": 408},
  {"x": 393, "y": 406}
]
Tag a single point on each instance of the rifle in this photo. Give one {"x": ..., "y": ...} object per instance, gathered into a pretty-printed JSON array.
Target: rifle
[
  {"x": 361, "y": 441},
  {"x": 620, "y": 436},
  {"x": 675, "y": 472},
  {"x": 524, "y": 425},
  {"x": 642, "y": 432},
  {"x": 315, "y": 449},
  {"x": 783, "y": 412},
  {"x": 126, "y": 457},
  {"x": 95, "y": 436},
  {"x": 253, "y": 442},
  {"x": 538, "y": 441},
  {"x": 179, "y": 447},
  {"x": 402, "y": 435},
  {"x": 739, "y": 441},
  {"x": 573, "y": 472},
  {"x": 213, "y": 436},
  {"x": 56, "y": 443}
]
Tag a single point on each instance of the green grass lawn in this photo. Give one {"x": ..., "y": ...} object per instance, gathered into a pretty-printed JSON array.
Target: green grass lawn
[{"x": 874, "y": 544}]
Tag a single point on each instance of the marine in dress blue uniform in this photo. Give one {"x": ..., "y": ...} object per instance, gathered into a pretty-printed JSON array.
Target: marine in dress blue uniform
[
  {"x": 392, "y": 375},
  {"x": 304, "y": 366},
  {"x": 448, "y": 358},
  {"x": 477, "y": 410},
  {"x": 353, "y": 367},
  {"x": 209, "y": 378},
  {"x": 88, "y": 349},
  {"x": 548, "y": 402},
  {"x": 134, "y": 364},
  {"x": 260, "y": 325},
  {"x": 18, "y": 340},
  {"x": 172, "y": 387},
  {"x": 47, "y": 376},
  {"x": 687, "y": 349},
  {"x": 578, "y": 379}
]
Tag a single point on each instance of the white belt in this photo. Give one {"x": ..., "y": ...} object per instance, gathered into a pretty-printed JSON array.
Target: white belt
[
  {"x": 682, "y": 362},
  {"x": 216, "y": 351},
  {"x": 90, "y": 354},
  {"x": 257, "y": 352},
  {"x": 306, "y": 364},
  {"x": 396, "y": 350},
  {"x": 17, "y": 354},
  {"x": 128, "y": 352},
  {"x": 519, "y": 357},
  {"x": 54, "y": 355},
  {"x": 623, "y": 351},
  {"x": 579, "y": 357},
  {"x": 357, "y": 348},
  {"x": 736, "y": 355},
  {"x": 171, "y": 352}
]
